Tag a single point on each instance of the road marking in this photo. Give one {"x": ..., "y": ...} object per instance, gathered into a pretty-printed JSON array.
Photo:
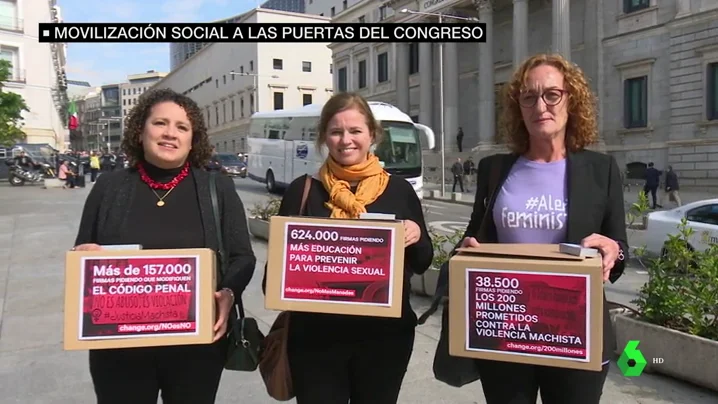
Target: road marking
[
  {"x": 448, "y": 227},
  {"x": 464, "y": 217},
  {"x": 434, "y": 206},
  {"x": 642, "y": 272}
]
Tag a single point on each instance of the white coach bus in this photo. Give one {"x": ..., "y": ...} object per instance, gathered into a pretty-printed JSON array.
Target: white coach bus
[{"x": 281, "y": 145}]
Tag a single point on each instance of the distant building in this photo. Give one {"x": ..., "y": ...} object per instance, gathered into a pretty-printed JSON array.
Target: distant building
[
  {"x": 179, "y": 52},
  {"x": 135, "y": 86},
  {"x": 103, "y": 110},
  {"x": 38, "y": 69},
  {"x": 266, "y": 78}
]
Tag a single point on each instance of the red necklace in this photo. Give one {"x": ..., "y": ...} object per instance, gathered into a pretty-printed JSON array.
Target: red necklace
[{"x": 159, "y": 185}]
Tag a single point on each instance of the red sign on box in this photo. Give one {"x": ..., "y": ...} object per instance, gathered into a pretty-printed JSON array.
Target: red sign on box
[
  {"x": 138, "y": 297},
  {"x": 527, "y": 313},
  {"x": 343, "y": 264}
]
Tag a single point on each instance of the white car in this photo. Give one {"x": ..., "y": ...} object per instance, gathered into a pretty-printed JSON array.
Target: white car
[{"x": 702, "y": 217}]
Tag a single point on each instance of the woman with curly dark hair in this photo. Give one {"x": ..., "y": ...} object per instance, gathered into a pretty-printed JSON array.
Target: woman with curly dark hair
[
  {"x": 550, "y": 190},
  {"x": 163, "y": 202}
]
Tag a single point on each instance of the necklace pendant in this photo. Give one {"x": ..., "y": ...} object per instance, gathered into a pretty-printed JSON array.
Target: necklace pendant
[{"x": 160, "y": 203}]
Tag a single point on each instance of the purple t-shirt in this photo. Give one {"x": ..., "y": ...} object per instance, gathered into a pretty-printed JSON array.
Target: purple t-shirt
[{"x": 532, "y": 204}]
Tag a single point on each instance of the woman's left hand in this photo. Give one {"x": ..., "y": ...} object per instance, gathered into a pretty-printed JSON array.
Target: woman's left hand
[
  {"x": 609, "y": 251},
  {"x": 412, "y": 233},
  {"x": 224, "y": 303}
]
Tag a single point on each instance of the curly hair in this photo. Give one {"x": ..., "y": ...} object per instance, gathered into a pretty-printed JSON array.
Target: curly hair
[
  {"x": 582, "y": 125},
  {"x": 135, "y": 124}
]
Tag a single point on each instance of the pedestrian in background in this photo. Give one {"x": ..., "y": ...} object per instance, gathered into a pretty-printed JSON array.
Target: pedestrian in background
[
  {"x": 340, "y": 359},
  {"x": 653, "y": 181},
  {"x": 469, "y": 171},
  {"x": 549, "y": 117},
  {"x": 457, "y": 170},
  {"x": 94, "y": 166},
  {"x": 671, "y": 188}
]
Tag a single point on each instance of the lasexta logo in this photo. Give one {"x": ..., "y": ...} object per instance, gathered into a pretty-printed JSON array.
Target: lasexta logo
[{"x": 632, "y": 361}]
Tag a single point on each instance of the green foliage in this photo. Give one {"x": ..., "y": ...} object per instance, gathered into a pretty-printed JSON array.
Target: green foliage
[
  {"x": 11, "y": 108},
  {"x": 265, "y": 210},
  {"x": 636, "y": 220},
  {"x": 443, "y": 245},
  {"x": 682, "y": 289}
]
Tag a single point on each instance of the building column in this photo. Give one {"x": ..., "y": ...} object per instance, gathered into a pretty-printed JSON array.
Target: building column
[
  {"x": 351, "y": 77},
  {"x": 371, "y": 67},
  {"x": 683, "y": 8},
  {"x": 487, "y": 106},
  {"x": 426, "y": 86},
  {"x": 521, "y": 31},
  {"x": 451, "y": 94},
  {"x": 561, "y": 37},
  {"x": 401, "y": 76}
]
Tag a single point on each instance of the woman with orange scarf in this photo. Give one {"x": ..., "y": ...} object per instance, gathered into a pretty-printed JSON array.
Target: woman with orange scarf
[{"x": 338, "y": 359}]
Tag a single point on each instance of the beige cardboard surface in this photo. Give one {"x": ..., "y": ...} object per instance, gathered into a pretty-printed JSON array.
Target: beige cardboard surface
[
  {"x": 159, "y": 288},
  {"x": 555, "y": 283},
  {"x": 324, "y": 265}
]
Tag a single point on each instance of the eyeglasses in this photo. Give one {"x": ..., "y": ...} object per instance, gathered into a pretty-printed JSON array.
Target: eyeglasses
[{"x": 550, "y": 97}]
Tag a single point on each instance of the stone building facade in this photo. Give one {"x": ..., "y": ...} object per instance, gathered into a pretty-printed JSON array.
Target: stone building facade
[{"x": 652, "y": 63}]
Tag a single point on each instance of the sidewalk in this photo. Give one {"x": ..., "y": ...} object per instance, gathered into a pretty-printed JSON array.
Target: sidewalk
[
  {"x": 38, "y": 226},
  {"x": 630, "y": 196}
]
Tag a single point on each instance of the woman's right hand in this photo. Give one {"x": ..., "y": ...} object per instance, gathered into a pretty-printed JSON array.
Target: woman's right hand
[
  {"x": 469, "y": 242},
  {"x": 87, "y": 247}
]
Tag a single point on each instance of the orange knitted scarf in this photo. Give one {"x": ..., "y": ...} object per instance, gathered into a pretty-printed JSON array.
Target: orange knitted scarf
[{"x": 337, "y": 178}]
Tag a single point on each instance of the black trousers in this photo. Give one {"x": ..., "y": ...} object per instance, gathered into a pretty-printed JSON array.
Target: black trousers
[
  {"x": 366, "y": 372},
  {"x": 458, "y": 179},
  {"x": 185, "y": 374},
  {"x": 651, "y": 190},
  {"x": 93, "y": 174},
  {"x": 513, "y": 383}
]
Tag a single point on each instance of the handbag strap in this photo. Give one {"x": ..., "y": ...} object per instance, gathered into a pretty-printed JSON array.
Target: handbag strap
[
  {"x": 442, "y": 285},
  {"x": 220, "y": 240},
  {"x": 305, "y": 195},
  {"x": 494, "y": 178}
]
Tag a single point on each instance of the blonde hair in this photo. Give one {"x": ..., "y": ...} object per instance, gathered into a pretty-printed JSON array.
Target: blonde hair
[{"x": 582, "y": 125}]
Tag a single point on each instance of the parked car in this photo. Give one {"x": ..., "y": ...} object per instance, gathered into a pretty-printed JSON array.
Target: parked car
[
  {"x": 702, "y": 217},
  {"x": 232, "y": 165}
]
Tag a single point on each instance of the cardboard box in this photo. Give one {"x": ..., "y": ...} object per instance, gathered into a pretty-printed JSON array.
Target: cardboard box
[
  {"x": 526, "y": 303},
  {"x": 353, "y": 267},
  {"x": 139, "y": 298}
]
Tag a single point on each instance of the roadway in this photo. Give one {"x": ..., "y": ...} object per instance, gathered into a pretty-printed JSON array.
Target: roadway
[
  {"x": 38, "y": 226},
  {"x": 446, "y": 217}
]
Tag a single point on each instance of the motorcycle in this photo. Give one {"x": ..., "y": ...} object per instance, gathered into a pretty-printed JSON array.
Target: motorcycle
[{"x": 19, "y": 176}]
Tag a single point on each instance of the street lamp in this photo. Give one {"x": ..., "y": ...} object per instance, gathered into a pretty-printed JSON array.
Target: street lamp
[
  {"x": 109, "y": 129},
  {"x": 256, "y": 90},
  {"x": 441, "y": 17}
]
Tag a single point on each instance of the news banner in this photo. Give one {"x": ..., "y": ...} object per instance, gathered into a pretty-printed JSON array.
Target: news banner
[{"x": 261, "y": 32}]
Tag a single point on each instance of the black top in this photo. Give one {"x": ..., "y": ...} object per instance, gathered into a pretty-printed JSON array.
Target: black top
[
  {"x": 400, "y": 199},
  {"x": 121, "y": 209},
  {"x": 156, "y": 227},
  {"x": 595, "y": 205}
]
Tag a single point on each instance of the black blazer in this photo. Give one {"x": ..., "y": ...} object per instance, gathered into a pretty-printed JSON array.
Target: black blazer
[
  {"x": 108, "y": 206},
  {"x": 595, "y": 205}
]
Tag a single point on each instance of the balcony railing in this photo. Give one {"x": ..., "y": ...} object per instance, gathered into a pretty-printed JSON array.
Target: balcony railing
[
  {"x": 11, "y": 23},
  {"x": 17, "y": 76}
]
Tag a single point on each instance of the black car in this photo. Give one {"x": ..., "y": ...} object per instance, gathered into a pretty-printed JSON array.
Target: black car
[{"x": 232, "y": 165}]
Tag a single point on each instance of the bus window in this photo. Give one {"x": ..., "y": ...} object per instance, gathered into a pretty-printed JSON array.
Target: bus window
[{"x": 400, "y": 147}]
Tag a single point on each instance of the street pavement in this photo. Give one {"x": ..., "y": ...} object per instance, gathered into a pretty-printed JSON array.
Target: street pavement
[{"x": 37, "y": 227}]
